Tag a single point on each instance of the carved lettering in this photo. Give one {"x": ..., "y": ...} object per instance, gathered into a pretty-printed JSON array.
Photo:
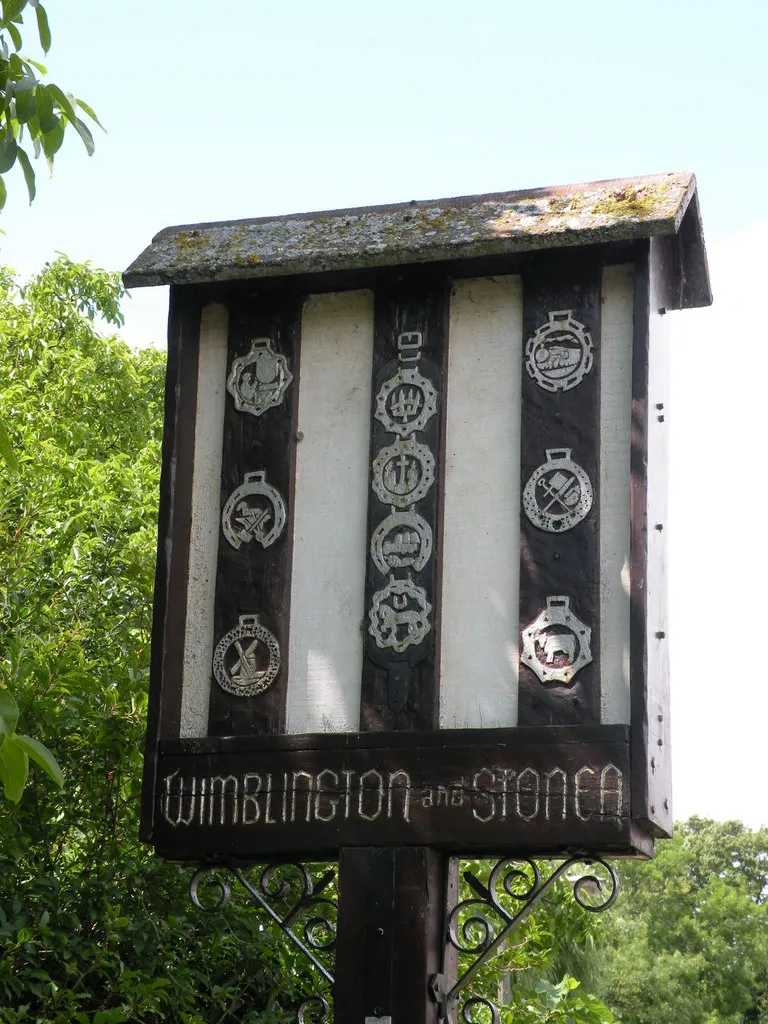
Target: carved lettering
[
  {"x": 348, "y": 790},
  {"x": 527, "y": 786},
  {"x": 579, "y": 792},
  {"x": 549, "y": 780},
  {"x": 250, "y": 798},
  {"x": 332, "y": 802},
  {"x": 323, "y": 795},
  {"x": 610, "y": 791},
  {"x": 220, "y": 783},
  {"x": 488, "y": 797},
  {"x": 308, "y": 794},
  {"x": 404, "y": 789},
  {"x": 379, "y": 792},
  {"x": 180, "y": 819},
  {"x": 268, "y": 807}
]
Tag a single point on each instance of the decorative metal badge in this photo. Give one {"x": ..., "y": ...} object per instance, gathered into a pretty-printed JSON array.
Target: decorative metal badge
[
  {"x": 558, "y": 494},
  {"x": 558, "y": 355},
  {"x": 246, "y": 669},
  {"x": 255, "y": 511},
  {"x": 258, "y": 381},
  {"x": 403, "y": 472},
  {"x": 401, "y": 541},
  {"x": 399, "y": 615},
  {"x": 405, "y": 402},
  {"x": 556, "y": 644}
]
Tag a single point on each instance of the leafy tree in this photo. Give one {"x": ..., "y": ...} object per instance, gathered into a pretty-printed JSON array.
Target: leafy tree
[
  {"x": 688, "y": 940},
  {"x": 27, "y": 104},
  {"x": 543, "y": 973},
  {"x": 93, "y": 929}
]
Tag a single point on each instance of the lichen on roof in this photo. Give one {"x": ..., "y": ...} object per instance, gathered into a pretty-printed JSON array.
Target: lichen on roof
[{"x": 416, "y": 232}]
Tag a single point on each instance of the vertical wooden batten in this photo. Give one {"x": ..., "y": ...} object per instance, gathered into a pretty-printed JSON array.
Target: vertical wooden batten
[
  {"x": 481, "y": 518},
  {"x": 400, "y": 688},
  {"x": 330, "y": 518},
  {"x": 657, "y": 288},
  {"x": 205, "y": 519},
  {"x": 614, "y": 479},
  {"x": 561, "y": 565},
  {"x": 168, "y": 615},
  {"x": 253, "y": 579}
]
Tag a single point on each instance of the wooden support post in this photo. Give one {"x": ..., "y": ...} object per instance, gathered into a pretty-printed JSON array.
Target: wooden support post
[{"x": 391, "y": 934}]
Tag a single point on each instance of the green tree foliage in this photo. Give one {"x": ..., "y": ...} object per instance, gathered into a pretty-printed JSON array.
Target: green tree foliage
[
  {"x": 688, "y": 939},
  {"x": 94, "y": 930},
  {"x": 31, "y": 110},
  {"x": 544, "y": 970}
]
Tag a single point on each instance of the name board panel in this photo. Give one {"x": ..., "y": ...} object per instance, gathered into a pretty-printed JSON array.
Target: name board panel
[{"x": 473, "y": 791}]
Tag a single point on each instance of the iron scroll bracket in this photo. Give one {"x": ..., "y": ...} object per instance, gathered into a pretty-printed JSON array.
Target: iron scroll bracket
[
  {"x": 293, "y": 900},
  {"x": 477, "y": 927}
]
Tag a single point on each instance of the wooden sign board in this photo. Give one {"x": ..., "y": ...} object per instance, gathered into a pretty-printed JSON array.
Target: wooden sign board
[{"x": 410, "y": 583}]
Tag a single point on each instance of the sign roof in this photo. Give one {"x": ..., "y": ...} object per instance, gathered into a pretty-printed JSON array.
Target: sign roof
[{"x": 427, "y": 231}]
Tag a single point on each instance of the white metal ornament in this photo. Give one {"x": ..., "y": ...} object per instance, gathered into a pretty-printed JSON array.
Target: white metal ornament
[
  {"x": 406, "y": 402},
  {"x": 246, "y": 670},
  {"x": 556, "y": 644},
  {"x": 403, "y": 473},
  {"x": 399, "y": 615},
  {"x": 558, "y": 494},
  {"x": 254, "y": 511},
  {"x": 401, "y": 541},
  {"x": 558, "y": 355},
  {"x": 258, "y": 381}
]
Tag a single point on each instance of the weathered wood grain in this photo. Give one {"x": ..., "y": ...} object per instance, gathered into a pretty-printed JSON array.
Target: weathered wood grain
[
  {"x": 253, "y": 579},
  {"x": 169, "y": 613},
  {"x": 476, "y": 790},
  {"x": 400, "y": 689},
  {"x": 656, "y": 280},
  {"x": 566, "y": 563}
]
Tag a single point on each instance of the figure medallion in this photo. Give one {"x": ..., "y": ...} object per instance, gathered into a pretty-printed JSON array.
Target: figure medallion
[
  {"x": 558, "y": 494},
  {"x": 254, "y": 511},
  {"x": 403, "y": 473},
  {"x": 556, "y": 644},
  {"x": 399, "y": 615},
  {"x": 258, "y": 381}
]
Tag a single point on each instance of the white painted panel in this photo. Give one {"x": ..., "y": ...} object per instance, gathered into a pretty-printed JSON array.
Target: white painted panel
[
  {"x": 330, "y": 514},
  {"x": 481, "y": 522},
  {"x": 204, "y": 531},
  {"x": 615, "y": 426}
]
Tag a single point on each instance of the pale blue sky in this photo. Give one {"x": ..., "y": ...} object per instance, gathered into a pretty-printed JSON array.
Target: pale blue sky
[{"x": 248, "y": 108}]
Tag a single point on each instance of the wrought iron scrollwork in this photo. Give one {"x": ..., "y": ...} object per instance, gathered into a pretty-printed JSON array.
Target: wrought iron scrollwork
[
  {"x": 296, "y": 903},
  {"x": 314, "y": 1010},
  {"x": 478, "y": 926}
]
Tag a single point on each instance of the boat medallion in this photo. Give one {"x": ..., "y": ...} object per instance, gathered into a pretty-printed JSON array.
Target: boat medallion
[{"x": 401, "y": 541}]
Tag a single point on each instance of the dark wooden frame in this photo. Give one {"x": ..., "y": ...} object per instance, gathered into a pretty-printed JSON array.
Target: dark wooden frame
[{"x": 657, "y": 267}]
